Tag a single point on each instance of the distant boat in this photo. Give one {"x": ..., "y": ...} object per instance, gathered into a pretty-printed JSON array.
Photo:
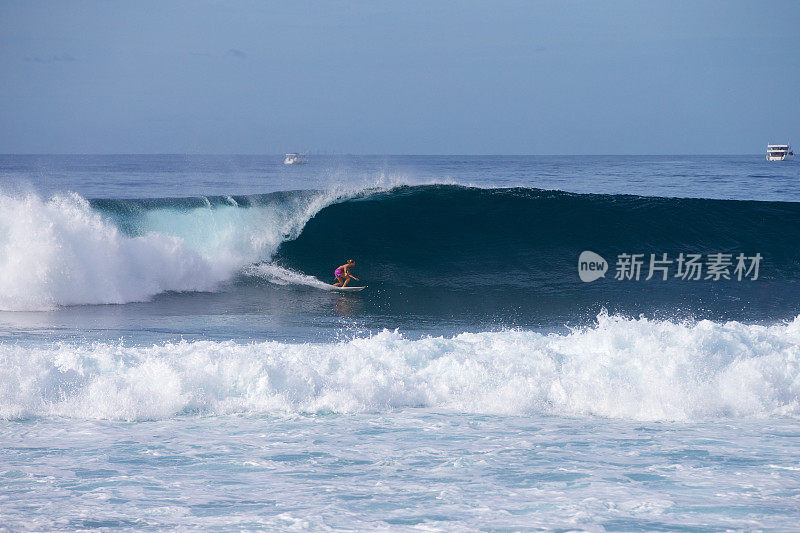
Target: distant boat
[
  {"x": 295, "y": 159},
  {"x": 779, "y": 152}
]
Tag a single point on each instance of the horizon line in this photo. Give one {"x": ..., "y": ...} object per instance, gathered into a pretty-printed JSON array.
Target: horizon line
[{"x": 281, "y": 154}]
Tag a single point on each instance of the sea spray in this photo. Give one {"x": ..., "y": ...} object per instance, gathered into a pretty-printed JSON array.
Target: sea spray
[
  {"x": 60, "y": 252},
  {"x": 66, "y": 250}
]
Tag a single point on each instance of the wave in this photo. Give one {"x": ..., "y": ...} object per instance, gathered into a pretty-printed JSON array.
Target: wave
[
  {"x": 452, "y": 236},
  {"x": 510, "y": 243},
  {"x": 619, "y": 368}
]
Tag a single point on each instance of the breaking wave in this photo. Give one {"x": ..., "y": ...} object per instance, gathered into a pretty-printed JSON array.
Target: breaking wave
[
  {"x": 68, "y": 250},
  {"x": 511, "y": 243},
  {"x": 621, "y": 368}
]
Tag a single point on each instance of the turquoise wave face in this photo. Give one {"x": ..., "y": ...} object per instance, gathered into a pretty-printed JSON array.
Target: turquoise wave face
[
  {"x": 513, "y": 253},
  {"x": 447, "y": 235}
]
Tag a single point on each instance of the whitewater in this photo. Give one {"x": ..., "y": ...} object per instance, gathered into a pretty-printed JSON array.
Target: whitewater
[
  {"x": 60, "y": 251},
  {"x": 171, "y": 356},
  {"x": 622, "y": 368}
]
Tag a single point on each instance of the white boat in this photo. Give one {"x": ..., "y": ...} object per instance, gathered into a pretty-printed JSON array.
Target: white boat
[
  {"x": 295, "y": 159},
  {"x": 779, "y": 152}
]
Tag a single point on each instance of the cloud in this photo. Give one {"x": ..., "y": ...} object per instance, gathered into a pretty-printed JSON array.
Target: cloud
[
  {"x": 59, "y": 58},
  {"x": 236, "y": 53}
]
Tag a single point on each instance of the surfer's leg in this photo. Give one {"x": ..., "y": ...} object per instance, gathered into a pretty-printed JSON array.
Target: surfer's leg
[{"x": 347, "y": 279}]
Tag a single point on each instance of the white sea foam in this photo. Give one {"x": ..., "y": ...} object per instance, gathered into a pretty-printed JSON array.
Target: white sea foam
[
  {"x": 284, "y": 276},
  {"x": 622, "y": 368},
  {"x": 60, "y": 251}
]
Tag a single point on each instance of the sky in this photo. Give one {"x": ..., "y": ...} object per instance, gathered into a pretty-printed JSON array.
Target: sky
[{"x": 374, "y": 77}]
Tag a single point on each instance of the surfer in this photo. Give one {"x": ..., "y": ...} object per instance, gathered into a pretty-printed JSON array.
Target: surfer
[{"x": 343, "y": 275}]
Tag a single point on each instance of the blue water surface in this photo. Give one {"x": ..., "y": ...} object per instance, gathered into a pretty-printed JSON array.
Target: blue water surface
[{"x": 247, "y": 397}]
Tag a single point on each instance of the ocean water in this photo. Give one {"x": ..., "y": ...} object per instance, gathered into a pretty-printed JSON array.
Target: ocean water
[{"x": 172, "y": 355}]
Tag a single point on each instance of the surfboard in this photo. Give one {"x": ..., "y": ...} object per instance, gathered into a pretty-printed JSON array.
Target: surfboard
[{"x": 351, "y": 289}]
